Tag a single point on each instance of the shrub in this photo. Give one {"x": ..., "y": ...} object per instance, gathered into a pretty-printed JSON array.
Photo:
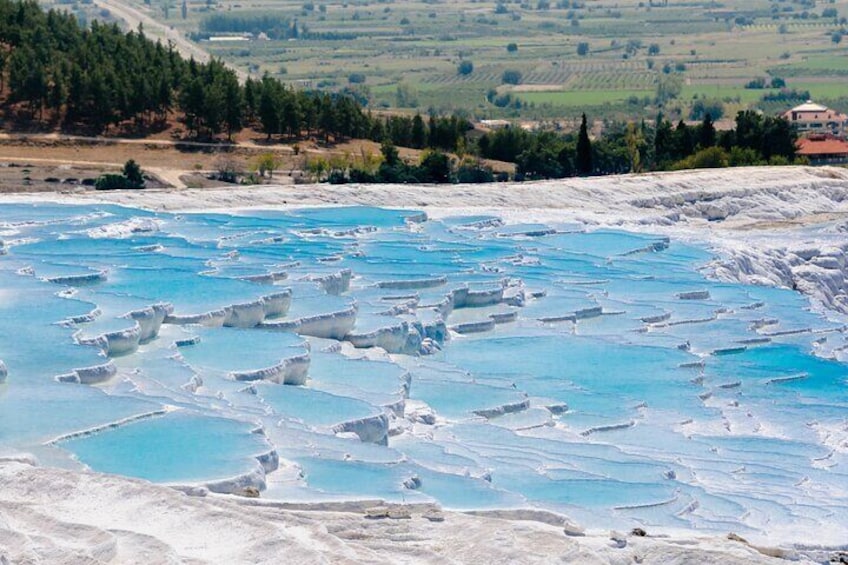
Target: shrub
[
  {"x": 778, "y": 160},
  {"x": 337, "y": 177},
  {"x": 756, "y": 84},
  {"x": 511, "y": 77},
  {"x": 474, "y": 171},
  {"x": 228, "y": 168},
  {"x": 112, "y": 181},
  {"x": 744, "y": 157},
  {"x": 131, "y": 177},
  {"x": 133, "y": 174},
  {"x": 709, "y": 158},
  {"x": 702, "y": 107},
  {"x": 267, "y": 163},
  {"x": 435, "y": 167}
]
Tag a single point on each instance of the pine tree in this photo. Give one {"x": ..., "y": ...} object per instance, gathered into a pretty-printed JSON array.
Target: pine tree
[
  {"x": 634, "y": 140},
  {"x": 99, "y": 113},
  {"x": 389, "y": 152},
  {"x": 2, "y": 71},
  {"x": 326, "y": 117},
  {"x": 163, "y": 97},
  {"x": 214, "y": 106},
  {"x": 134, "y": 174},
  {"x": 662, "y": 143},
  {"x": 584, "y": 150},
  {"x": 707, "y": 132},
  {"x": 233, "y": 106},
  {"x": 683, "y": 141},
  {"x": 419, "y": 134},
  {"x": 192, "y": 99},
  {"x": 290, "y": 116},
  {"x": 57, "y": 92},
  {"x": 432, "y": 132},
  {"x": 269, "y": 105},
  {"x": 250, "y": 100}
]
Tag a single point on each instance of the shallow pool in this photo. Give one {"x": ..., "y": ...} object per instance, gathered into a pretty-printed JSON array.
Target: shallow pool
[{"x": 382, "y": 354}]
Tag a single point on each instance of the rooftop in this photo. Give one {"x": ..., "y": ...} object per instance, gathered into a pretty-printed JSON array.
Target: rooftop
[
  {"x": 822, "y": 146},
  {"x": 809, "y": 106}
]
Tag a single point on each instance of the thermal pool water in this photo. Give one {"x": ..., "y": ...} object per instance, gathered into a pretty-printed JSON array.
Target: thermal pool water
[{"x": 349, "y": 353}]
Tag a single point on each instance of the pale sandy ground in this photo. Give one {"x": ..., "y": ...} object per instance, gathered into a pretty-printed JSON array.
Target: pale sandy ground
[
  {"x": 27, "y": 159},
  {"x": 745, "y": 198},
  {"x": 56, "y": 516}
]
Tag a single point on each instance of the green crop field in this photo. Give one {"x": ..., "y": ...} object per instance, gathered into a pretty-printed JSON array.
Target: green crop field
[
  {"x": 581, "y": 98},
  {"x": 530, "y": 59}
]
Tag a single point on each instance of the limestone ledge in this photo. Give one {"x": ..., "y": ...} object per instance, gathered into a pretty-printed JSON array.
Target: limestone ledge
[
  {"x": 334, "y": 325},
  {"x": 90, "y": 375},
  {"x": 291, "y": 371},
  {"x": 372, "y": 429},
  {"x": 243, "y": 315}
]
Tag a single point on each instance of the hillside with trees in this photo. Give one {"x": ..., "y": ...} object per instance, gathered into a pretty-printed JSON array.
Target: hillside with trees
[
  {"x": 540, "y": 60},
  {"x": 58, "y": 74}
]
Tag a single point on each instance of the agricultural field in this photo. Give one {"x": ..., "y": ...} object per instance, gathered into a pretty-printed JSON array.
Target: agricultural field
[{"x": 533, "y": 59}]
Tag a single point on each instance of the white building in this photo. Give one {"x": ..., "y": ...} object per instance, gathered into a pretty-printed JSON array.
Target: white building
[{"x": 811, "y": 118}]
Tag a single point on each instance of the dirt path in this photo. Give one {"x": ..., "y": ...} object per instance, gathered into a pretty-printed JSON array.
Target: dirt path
[
  {"x": 27, "y": 160},
  {"x": 61, "y": 137}
]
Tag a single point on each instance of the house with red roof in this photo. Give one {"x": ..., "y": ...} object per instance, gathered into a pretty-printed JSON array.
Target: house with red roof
[{"x": 823, "y": 150}]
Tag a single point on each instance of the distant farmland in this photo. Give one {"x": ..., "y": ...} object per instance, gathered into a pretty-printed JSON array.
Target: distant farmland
[{"x": 538, "y": 59}]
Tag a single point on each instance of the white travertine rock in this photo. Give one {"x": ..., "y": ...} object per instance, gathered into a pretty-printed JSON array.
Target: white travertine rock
[
  {"x": 393, "y": 337},
  {"x": 372, "y": 429},
  {"x": 90, "y": 375},
  {"x": 291, "y": 371},
  {"x": 335, "y": 325}
]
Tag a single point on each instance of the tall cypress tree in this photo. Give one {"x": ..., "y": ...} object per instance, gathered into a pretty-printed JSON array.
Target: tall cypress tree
[
  {"x": 419, "y": 133},
  {"x": 233, "y": 104},
  {"x": 269, "y": 105},
  {"x": 707, "y": 132},
  {"x": 290, "y": 115},
  {"x": 662, "y": 142},
  {"x": 584, "y": 150}
]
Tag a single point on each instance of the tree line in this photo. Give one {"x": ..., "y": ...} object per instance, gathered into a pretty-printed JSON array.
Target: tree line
[
  {"x": 637, "y": 147},
  {"x": 623, "y": 148},
  {"x": 98, "y": 77}
]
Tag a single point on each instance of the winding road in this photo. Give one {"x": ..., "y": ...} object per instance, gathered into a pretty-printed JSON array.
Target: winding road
[{"x": 157, "y": 30}]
